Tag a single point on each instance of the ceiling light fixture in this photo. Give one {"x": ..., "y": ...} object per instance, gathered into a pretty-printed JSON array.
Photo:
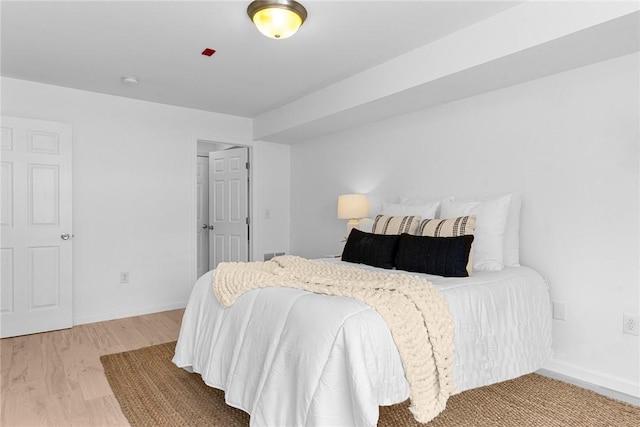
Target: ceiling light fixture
[{"x": 277, "y": 19}]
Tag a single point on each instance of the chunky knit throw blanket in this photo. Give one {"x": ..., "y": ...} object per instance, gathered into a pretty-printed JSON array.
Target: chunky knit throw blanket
[{"x": 415, "y": 311}]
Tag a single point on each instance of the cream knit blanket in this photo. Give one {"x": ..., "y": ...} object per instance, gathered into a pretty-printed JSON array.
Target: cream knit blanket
[{"x": 415, "y": 311}]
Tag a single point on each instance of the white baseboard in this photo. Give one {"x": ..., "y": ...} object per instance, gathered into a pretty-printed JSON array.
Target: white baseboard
[
  {"x": 81, "y": 320},
  {"x": 616, "y": 388}
]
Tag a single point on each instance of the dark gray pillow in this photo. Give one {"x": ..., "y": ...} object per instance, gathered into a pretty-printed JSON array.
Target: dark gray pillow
[
  {"x": 442, "y": 256},
  {"x": 377, "y": 250}
]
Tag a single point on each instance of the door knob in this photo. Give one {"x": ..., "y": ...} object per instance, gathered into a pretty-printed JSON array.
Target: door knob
[
  {"x": 211, "y": 227},
  {"x": 65, "y": 236},
  {"x": 205, "y": 226}
]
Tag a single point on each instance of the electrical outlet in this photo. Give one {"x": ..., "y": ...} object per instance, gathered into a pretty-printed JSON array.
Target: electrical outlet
[
  {"x": 559, "y": 310},
  {"x": 630, "y": 324},
  {"x": 124, "y": 277}
]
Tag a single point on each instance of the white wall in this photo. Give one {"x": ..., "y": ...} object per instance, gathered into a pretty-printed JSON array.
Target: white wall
[
  {"x": 569, "y": 142},
  {"x": 272, "y": 189},
  {"x": 134, "y": 193}
]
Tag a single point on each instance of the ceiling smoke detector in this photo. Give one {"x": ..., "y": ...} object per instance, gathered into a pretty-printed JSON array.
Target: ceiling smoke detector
[{"x": 130, "y": 80}]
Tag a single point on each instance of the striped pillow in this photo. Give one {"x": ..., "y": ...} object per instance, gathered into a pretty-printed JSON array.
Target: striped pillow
[
  {"x": 387, "y": 224},
  {"x": 450, "y": 227}
]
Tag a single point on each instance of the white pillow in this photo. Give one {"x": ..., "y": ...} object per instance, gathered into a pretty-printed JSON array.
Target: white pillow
[
  {"x": 366, "y": 225},
  {"x": 424, "y": 210},
  {"x": 512, "y": 232},
  {"x": 511, "y": 242},
  {"x": 414, "y": 202},
  {"x": 491, "y": 219}
]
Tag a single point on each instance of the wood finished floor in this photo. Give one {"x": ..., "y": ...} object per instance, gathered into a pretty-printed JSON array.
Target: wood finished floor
[{"x": 56, "y": 378}]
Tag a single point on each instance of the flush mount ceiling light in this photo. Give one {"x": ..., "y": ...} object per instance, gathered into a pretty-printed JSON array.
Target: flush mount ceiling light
[{"x": 277, "y": 19}]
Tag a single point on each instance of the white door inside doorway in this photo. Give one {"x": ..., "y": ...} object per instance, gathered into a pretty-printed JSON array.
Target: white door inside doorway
[
  {"x": 36, "y": 283},
  {"x": 228, "y": 206}
]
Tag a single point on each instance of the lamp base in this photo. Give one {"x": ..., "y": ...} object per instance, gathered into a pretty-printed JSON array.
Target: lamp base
[{"x": 351, "y": 224}]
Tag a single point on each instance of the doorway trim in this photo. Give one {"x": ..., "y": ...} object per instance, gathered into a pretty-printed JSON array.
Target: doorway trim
[{"x": 194, "y": 201}]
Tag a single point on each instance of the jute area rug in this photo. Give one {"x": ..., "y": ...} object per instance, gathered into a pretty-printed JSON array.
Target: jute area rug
[{"x": 152, "y": 391}]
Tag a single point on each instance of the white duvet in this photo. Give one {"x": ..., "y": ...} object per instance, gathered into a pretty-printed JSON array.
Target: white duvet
[{"x": 292, "y": 358}]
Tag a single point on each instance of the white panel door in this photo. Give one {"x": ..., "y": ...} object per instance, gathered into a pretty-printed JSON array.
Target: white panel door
[
  {"x": 202, "y": 222},
  {"x": 36, "y": 248},
  {"x": 228, "y": 206}
]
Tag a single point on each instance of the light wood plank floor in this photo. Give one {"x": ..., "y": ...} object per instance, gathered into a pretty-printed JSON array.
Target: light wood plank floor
[{"x": 56, "y": 378}]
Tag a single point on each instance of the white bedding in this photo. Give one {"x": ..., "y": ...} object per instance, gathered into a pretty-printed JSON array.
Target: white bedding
[{"x": 289, "y": 357}]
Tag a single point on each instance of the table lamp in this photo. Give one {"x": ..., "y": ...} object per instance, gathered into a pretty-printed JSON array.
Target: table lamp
[{"x": 352, "y": 207}]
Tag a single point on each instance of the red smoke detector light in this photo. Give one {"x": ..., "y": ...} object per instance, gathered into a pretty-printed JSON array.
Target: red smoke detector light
[{"x": 208, "y": 52}]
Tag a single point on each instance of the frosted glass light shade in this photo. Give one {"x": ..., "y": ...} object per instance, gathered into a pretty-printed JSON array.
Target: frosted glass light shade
[
  {"x": 353, "y": 206},
  {"x": 277, "y": 19}
]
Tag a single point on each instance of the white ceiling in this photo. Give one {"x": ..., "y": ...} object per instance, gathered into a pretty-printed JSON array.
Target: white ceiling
[{"x": 89, "y": 45}]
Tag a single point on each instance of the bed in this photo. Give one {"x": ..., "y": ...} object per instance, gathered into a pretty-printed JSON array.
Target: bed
[{"x": 291, "y": 357}]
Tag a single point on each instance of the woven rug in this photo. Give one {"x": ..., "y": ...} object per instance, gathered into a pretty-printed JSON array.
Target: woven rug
[{"x": 152, "y": 391}]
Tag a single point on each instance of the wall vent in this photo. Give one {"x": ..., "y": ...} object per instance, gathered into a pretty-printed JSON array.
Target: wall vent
[{"x": 268, "y": 256}]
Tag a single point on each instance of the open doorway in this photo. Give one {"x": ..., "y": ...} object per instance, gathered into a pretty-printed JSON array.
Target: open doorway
[{"x": 223, "y": 192}]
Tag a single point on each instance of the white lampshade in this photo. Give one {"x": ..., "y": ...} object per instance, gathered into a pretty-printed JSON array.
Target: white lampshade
[{"x": 353, "y": 206}]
